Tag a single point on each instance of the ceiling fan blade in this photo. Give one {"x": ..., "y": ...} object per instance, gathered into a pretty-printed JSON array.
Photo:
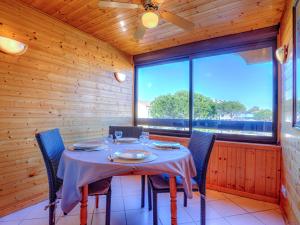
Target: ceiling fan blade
[
  {"x": 140, "y": 32},
  {"x": 121, "y": 5},
  {"x": 177, "y": 20}
]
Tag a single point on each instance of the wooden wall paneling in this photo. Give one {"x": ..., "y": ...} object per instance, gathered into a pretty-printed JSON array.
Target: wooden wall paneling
[
  {"x": 212, "y": 19},
  {"x": 250, "y": 171},
  {"x": 222, "y": 165},
  {"x": 260, "y": 167},
  {"x": 245, "y": 169},
  {"x": 271, "y": 174},
  {"x": 213, "y": 165},
  {"x": 231, "y": 167},
  {"x": 64, "y": 80},
  {"x": 240, "y": 169}
]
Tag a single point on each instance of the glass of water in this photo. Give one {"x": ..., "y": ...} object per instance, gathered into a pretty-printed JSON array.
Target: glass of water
[{"x": 144, "y": 138}]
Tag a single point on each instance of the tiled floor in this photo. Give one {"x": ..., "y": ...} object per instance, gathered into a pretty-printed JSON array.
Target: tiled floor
[{"x": 222, "y": 209}]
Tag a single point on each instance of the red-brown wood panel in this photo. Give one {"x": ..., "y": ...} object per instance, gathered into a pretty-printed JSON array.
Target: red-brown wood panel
[{"x": 250, "y": 170}]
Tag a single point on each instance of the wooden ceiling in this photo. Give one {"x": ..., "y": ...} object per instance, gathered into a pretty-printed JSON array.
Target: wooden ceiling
[{"x": 213, "y": 18}]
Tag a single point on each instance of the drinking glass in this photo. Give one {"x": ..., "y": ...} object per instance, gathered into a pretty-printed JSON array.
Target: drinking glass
[
  {"x": 144, "y": 138},
  {"x": 118, "y": 134},
  {"x": 109, "y": 139}
]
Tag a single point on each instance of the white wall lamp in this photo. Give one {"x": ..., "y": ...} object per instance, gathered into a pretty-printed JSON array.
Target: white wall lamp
[
  {"x": 281, "y": 54},
  {"x": 11, "y": 46},
  {"x": 121, "y": 77}
]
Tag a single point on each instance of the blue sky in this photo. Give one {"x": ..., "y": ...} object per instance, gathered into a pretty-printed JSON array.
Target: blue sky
[{"x": 222, "y": 77}]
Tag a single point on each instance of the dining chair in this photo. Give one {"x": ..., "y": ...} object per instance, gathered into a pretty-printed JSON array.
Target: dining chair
[
  {"x": 200, "y": 145},
  {"x": 135, "y": 132},
  {"x": 52, "y": 146}
]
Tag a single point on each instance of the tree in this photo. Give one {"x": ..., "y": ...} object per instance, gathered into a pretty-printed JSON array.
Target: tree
[
  {"x": 171, "y": 106},
  {"x": 177, "y": 106},
  {"x": 204, "y": 107},
  {"x": 263, "y": 114},
  {"x": 232, "y": 108}
]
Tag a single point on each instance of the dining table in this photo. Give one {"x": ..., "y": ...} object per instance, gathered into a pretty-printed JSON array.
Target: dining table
[{"x": 77, "y": 169}]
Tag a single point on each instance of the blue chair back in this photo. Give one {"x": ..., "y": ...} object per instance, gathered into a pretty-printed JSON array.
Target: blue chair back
[
  {"x": 128, "y": 131},
  {"x": 201, "y": 145},
  {"x": 52, "y": 146}
]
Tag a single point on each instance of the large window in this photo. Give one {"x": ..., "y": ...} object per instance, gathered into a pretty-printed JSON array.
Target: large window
[
  {"x": 231, "y": 92},
  {"x": 163, "y": 96}
]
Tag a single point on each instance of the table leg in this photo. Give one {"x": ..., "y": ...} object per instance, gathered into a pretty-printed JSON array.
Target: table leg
[
  {"x": 83, "y": 205},
  {"x": 173, "y": 196}
]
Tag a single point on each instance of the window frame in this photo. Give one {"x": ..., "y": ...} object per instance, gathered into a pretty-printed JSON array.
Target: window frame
[{"x": 190, "y": 52}]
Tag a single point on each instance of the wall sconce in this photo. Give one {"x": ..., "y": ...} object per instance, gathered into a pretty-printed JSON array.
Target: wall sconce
[
  {"x": 121, "y": 77},
  {"x": 281, "y": 54},
  {"x": 11, "y": 46}
]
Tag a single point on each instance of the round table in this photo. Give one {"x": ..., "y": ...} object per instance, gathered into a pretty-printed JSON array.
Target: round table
[{"x": 80, "y": 168}]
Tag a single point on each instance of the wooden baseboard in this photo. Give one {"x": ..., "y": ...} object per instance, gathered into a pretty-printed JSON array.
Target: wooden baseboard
[
  {"x": 23, "y": 204},
  {"x": 243, "y": 194}
]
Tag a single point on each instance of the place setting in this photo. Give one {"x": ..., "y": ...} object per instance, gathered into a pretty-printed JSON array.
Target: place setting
[
  {"x": 164, "y": 145},
  {"x": 132, "y": 156},
  {"x": 87, "y": 147}
]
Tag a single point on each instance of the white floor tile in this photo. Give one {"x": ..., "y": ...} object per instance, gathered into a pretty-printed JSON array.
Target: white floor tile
[
  {"x": 219, "y": 221},
  {"x": 251, "y": 205},
  {"x": 41, "y": 221},
  {"x": 10, "y": 223},
  {"x": 221, "y": 209},
  {"x": 270, "y": 217},
  {"x": 117, "y": 218},
  {"x": 117, "y": 204},
  {"x": 19, "y": 215},
  {"x": 72, "y": 220},
  {"x": 225, "y": 207},
  {"x": 212, "y": 195},
  {"x": 243, "y": 219},
  {"x": 140, "y": 217},
  {"x": 164, "y": 214},
  {"x": 195, "y": 212},
  {"x": 133, "y": 202}
]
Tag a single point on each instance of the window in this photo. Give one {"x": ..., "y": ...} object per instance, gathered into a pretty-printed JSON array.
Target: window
[
  {"x": 227, "y": 86},
  {"x": 163, "y": 96},
  {"x": 233, "y": 93}
]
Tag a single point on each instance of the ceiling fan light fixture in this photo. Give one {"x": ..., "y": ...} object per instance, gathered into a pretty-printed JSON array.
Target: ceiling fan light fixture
[{"x": 150, "y": 19}]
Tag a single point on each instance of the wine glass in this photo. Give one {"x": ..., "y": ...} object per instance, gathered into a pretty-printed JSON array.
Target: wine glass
[
  {"x": 109, "y": 139},
  {"x": 118, "y": 134},
  {"x": 144, "y": 138}
]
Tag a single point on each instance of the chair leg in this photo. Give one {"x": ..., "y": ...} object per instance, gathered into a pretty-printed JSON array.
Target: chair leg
[
  {"x": 149, "y": 196},
  {"x": 97, "y": 201},
  {"x": 108, "y": 208},
  {"x": 203, "y": 210},
  {"x": 155, "y": 218},
  {"x": 143, "y": 180},
  {"x": 184, "y": 199},
  {"x": 52, "y": 215}
]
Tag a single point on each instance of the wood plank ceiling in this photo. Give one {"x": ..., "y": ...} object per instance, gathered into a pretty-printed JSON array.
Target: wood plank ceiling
[{"x": 213, "y": 18}]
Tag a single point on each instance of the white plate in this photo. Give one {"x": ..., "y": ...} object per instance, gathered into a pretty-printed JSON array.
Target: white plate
[
  {"x": 85, "y": 146},
  {"x": 132, "y": 154},
  {"x": 166, "y": 145},
  {"x": 127, "y": 140}
]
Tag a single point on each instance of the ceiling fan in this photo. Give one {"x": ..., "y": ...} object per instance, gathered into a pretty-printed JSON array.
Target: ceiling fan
[{"x": 150, "y": 17}]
